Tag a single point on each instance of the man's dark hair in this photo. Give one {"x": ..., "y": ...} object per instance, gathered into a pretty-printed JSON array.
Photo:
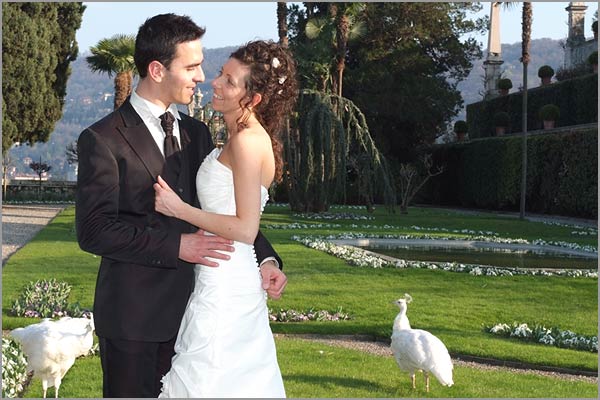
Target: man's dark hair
[{"x": 158, "y": 37}]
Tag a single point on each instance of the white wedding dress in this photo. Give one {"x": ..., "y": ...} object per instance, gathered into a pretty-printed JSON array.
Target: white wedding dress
[{"x": 225, "y": 347}]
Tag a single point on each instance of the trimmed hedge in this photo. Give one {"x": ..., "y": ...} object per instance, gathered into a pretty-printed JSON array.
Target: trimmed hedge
[
  {"x": 562, "y": 174},
  {"x": 576, "y": 98}
]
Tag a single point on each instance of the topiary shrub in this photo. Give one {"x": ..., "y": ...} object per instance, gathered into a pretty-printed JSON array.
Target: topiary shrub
[
  {"x": 501, "y": 118},
  {"x": 546, "y": 71},
  {"x": 549, "y": 112},
  {"x": 505, "y": 84},
  {"x": 576, "y": 71}
]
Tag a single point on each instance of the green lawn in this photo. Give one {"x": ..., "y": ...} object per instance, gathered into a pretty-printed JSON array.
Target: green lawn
[
  {"x": 313, "y": 370},
  {"x": 453, "y": 306}
]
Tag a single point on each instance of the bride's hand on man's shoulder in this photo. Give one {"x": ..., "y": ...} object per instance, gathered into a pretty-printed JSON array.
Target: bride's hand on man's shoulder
[{"x": 166, "y": 201}]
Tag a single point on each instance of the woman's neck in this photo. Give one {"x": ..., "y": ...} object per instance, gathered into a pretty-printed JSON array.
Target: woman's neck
[{"x": 231, "y": 122}]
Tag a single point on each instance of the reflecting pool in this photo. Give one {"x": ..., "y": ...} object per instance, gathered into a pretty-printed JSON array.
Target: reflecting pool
[{"x": 483, "y": 253}]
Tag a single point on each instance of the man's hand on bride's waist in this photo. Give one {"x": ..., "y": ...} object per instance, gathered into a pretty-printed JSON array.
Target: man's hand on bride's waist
[{"x": 196, "y": 247}]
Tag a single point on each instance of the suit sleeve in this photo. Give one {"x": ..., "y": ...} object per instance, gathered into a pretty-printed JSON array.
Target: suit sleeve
[
  {"x": 101, "y": 229},
  {"x": 263, "y": 249}
]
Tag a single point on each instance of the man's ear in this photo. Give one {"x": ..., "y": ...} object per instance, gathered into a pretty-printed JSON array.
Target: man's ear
[
  {"x": 256, "y": 99},
  {"x": 156, "y": 71}
]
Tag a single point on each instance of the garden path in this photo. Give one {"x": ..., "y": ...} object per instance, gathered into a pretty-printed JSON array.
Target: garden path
[
  {"x": 369, "y": 345},
  {"x": 20, "y": 224},
  {"x": 592, "y": 223}
]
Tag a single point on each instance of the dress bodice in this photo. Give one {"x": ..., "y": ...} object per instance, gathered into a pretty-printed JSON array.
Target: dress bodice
[{"x": 214, "y": 183}]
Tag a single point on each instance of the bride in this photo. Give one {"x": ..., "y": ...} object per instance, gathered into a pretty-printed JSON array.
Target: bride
[{"x": 225, "y": 347}]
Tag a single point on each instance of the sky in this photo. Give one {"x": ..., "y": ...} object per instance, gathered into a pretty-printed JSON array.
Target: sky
[{"x": 235, "y": 23}]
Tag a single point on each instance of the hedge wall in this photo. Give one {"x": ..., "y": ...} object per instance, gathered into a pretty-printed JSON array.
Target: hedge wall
[
  {"x": 576, "y": 98},
  {"x": 562, "y": 174}
]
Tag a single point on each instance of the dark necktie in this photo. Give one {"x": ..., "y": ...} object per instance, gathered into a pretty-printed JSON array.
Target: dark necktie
[{"x": 171, "y": 147}]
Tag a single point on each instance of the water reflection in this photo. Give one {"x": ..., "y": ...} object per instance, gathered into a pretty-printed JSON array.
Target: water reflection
[{"x": 494, "y": 256}]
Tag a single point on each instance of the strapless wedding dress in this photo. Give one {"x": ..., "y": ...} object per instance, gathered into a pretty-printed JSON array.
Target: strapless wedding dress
[{"x": 225, "y": 347}]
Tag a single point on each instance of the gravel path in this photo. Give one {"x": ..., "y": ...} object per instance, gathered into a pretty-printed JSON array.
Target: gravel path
[
  {"x": 20, "y": 224},
  {"x": 367, "y": 344}
]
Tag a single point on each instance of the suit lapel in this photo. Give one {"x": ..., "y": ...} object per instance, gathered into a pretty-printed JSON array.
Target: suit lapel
[
  {"x": 141, "y": 141},
  {"x": 185, "y": 173},
  {"x": 184, "y": 134}
]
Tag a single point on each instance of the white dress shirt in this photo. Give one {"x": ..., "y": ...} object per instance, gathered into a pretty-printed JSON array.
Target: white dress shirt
[{"x": 150, "y": 114}]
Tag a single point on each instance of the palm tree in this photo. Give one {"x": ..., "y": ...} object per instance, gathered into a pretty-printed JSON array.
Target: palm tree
[
  {"x": 346, "y": 23},
  {"x": 343, "y": 25},
  {"x": 115, "y": 56},
  {"x": 526, "y": 20},
  {"x": 282, "y": 23}
]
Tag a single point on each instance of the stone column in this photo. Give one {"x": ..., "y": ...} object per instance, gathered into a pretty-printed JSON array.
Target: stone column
[
  {"x": 576, "y": 10},
  {"x": 494, "y": 57}
]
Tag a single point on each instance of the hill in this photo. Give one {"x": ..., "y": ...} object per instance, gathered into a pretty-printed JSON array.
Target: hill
[
  {"x": 543, "y": 52},
  {"x": 89, "y": 98}
]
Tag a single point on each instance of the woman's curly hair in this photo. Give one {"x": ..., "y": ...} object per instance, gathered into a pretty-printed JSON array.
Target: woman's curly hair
[{"x": 273, "y": 76}]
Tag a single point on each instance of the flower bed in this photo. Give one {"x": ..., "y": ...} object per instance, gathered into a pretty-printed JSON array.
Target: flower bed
[
  {"x": 334, "y": 216},
  {"x": 46, "y": 299},
  {"x": 14, "y": 368},
  {"x": 308, "y": 315},
  {"x": 297, "y": 225},
  {"x": 548, "y": 336}
]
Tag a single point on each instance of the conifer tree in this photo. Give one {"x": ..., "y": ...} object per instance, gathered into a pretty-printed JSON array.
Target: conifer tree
[{"x": 38, "y": 45}]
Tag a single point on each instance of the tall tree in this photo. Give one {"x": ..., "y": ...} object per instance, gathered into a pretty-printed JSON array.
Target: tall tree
[
  {"x": 71, "y": 153},
  {"x": 38, "y": 45},
  {"x": 330, "y": 145},
  {"x": 403, "y": 74},
  {"x": 115, "y": 56},
  {"x": 347, "y": 26},
  {"x": 527, "y": 19},
  {"x": 341, "y": 24},
  {"x": 332, "y": 139},
  {"x": 7, "y": 163},
  {"x": 282, "y": 28}
]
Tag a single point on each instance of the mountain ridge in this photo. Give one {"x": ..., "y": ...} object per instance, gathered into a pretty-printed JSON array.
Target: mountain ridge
[{"x": 89, "y": 98}]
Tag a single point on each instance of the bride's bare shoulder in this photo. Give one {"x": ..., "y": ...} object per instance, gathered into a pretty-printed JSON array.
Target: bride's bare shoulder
[{"x": 253, "y": 140}]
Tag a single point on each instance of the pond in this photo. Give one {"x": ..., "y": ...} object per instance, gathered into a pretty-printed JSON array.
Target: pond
[{"x": 483, "y": 253}]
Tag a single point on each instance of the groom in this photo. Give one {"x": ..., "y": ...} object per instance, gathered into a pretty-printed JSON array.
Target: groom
[{"x": 146, "y": 274}]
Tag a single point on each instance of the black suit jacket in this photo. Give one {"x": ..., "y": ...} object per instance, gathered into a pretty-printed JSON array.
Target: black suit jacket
[{"x": 142, "y": 287}]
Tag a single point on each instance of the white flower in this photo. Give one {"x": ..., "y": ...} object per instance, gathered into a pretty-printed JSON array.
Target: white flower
[
  {"x": 522, "y": 331},
  {"x": 275, "y": 62},
  {"x": 282, "y": 79},
  {"x": 500, "y": 328},
  {"x": 547, "y": 339}
]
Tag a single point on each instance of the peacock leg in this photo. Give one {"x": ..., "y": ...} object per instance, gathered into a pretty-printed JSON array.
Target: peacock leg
[
  {"x": 412, "y": 377},
  {"x": 427, "y": 381}
]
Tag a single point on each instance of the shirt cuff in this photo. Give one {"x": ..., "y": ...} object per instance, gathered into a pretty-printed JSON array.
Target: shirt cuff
[{"x": 269, "y": 259}]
